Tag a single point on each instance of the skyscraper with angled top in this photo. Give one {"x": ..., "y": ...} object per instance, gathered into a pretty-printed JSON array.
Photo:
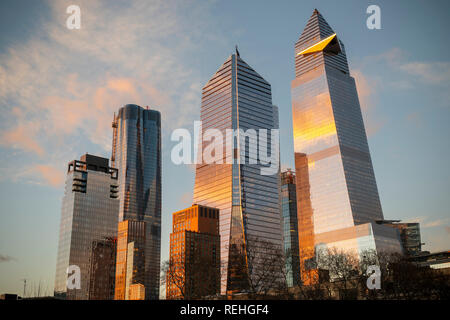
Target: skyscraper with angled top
[
  {"x": 237, "y": 97},
  {"x": 337, "y": 194},
  {"x": 136, "y": 152}
]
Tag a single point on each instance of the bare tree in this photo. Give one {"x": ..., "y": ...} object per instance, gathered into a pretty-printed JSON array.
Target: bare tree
[
  {"x": 259, "y": 267},
  {"x": 192, "y": 277},
  {"x": 401, "y": 278},
  {"x": 343, "y": 270},
  {"x": 174, "y": 277}
]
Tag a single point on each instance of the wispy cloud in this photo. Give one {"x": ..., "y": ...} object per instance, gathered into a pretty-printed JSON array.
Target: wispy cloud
[
  {"x": 436, "y": 73},
  {"x": 407, "y": 75},
  {"x": 411, "y": 73},
  {"x": 425, "y": 222},
  {"x": 22, "y": 137},
  {"x": 50, "y": 175},
  {"x": 65, "y": 84}
]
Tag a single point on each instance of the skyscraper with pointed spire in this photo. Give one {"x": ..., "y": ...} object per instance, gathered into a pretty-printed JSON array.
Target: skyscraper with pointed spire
[
  {"x": 237, "y": 97},
  {"x": 337, "y": 193}
]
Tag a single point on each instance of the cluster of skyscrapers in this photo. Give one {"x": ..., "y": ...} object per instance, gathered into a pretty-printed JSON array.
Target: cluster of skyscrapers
[{"x": 111, "y": 215}]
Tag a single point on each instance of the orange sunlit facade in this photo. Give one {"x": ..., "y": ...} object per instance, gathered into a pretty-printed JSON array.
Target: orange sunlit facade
[
  {"x": 130, "y": 260},
  {"x": 137, "y": 292},
  {"x": 195, "y": 237},
  {"x": 305, "y": 220}
]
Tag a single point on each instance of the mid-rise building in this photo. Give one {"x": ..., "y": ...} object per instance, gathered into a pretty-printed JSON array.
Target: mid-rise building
[
  {"x": 130, "y": 268},
  {"x": 194, "y": 270},
  {"x": 409, "y": 235},
  {"x": 88, "y": 217},
  {"x": 436, "y": 260}
]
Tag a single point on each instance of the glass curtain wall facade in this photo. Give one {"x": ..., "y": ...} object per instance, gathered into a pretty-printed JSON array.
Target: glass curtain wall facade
[
  {"x": 336, "y": 185},
  {"x": 88, "y": 217},
  {"x": 237, "y": 97},
  {"x": 409, "y": 235},
  {"x": 136, "y": 153},
  {"x": 130, "y": 257},
  {"x": 290, "y": 227}
]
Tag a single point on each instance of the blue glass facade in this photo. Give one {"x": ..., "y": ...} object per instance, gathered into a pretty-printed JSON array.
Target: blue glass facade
[{"x": 137, "y": 154}]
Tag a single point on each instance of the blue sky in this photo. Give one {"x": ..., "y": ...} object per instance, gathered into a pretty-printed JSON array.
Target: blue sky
[{"x": 60, "y": 87}]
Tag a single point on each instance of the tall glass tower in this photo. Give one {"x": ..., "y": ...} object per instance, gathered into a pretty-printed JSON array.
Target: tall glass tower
[
  {"x": 336, "y": 187},
  {"x": 237, "y": 97},
  {"x": 290, "y": 227},
  {"x": 88, "y": 219},
  {"x": 136, "y": 152}
]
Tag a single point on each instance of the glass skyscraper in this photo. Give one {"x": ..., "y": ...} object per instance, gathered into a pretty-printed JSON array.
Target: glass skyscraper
[
  {"x": 88, "y": 219},
  {"x": 336, "y": 187},
  {"x": 290, "y": 227},
  {"x": 136, "y": 153},
  {"x": 237, "y": 97}
]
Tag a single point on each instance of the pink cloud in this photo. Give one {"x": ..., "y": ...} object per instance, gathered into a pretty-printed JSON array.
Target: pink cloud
[
  {"x": 64, "y": 115},
  {"x": 66, "y": 87},
  {"x": 94, "y": 112},
  {"x": 22, "y": 137},
  {"x": 122, "y": 85},
  {"x": 51, "y": 175}
]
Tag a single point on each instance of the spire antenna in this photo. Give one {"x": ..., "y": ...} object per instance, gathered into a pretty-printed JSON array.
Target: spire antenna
[{"x": 237, "y": 51}]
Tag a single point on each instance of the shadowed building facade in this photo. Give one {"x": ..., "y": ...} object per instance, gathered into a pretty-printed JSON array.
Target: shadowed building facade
[
  {"x": 103, "y": 269},
  {"x": 136, "y": 152},
  {"x": 336, "y": 187},
  {"x": 87, "y": 229},
  {"x": 290, "y": 227},
  {"x": 237, "y": 97},
  {"x": 409, "y": 235}
]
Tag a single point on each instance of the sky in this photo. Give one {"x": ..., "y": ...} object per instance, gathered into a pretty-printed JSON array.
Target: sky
[{"x": 59, "y": 89}]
